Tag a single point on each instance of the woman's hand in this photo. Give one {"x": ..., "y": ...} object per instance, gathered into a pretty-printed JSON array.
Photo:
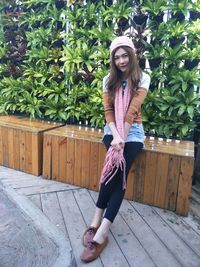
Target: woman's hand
[{"x": 117, "y": 142}]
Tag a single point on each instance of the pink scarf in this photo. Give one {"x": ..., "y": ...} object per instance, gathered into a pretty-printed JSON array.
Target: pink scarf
[{"x": 114, "y": 158}]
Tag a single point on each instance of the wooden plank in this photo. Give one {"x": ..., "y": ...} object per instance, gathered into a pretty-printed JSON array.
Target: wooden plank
[
  {"x": 47, "y": 157},
  {"x": 70, "y": 161},
  {"x": 184, "y": 186},
  {"x": 40, "y": 152},
  {"x": 161, "y": 180},
  {"x": 51, "y": 208},
  {"x": 62, "y": 159},
  {"x": 180, "y": 250},
  {"x": 126, "y": 250},
  {"x": 16, "y": 144},
  {"x": 150, "y": 242},
  {"x": 1, "y": 147},
  {"x": 29, "y": 183},
  {"x": 11, "y": 148},
  {"x": 182, "y": 229},
  {"x": 46, "y": 189},
  {"x": 102, "y": 154},
  {"x": 93, "y": 166},
  {"x": 5, "y": 146},
  {"x": 55, "y": 157},
  {"x": 139, "y": 177},
  {"x": 85, "y": 164},
  {"x": 150, "y": 177},
  {"x": 193, "y": 221},
  {"x": 22, "y": 152},
  {"x": 130, "y": 183},
  {"x": 28, "y": 151},
  {"x": 172, "y": 183},
  {"x": 36, "y": 200},
  {"x": 75, "y": 225},
  {"x": 77, "y": 162},
  {"x": 26, "y": 124}
]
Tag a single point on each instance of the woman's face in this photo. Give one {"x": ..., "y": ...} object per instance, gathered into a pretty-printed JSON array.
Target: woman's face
[{"x": 121, "y": 60}]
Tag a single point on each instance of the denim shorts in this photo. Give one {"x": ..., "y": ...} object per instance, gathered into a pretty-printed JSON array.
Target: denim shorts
[{"x": 136, "y": 133}]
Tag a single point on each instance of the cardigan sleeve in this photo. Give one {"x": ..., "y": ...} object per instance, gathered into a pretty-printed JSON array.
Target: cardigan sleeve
[
  {"x": 138, "y": 98},
  {"x": 108, "y": 108},
  {"x": 135, "y": 105}
]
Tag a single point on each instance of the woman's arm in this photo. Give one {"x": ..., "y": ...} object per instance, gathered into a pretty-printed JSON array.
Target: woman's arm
[
  {"x": 117, "y": 140},
  {"x": 135, "y": 105},
  {"x": 110, "y": 119}
]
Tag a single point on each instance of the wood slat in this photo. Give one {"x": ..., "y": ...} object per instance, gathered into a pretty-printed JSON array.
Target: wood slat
[
  {"x": 139, "y": 177},
  {"x": 179, "y": 249},
  {"x": 16, "y": 144},
  {"x": 22, "y": 151},
  {"x": 62, "y": 158},
  {"x": 51, "y": 208},
  {"x": 184, "y": 186},
  {"x": 47, "y": 157},
  {"x": 1, "y": 147},
  {"x": 182, "y": 229},
  {"x": 161, "y": 180},
  {"x": 93, "y": 170},
  {"x": 11, "y": 148},
  {"x": 70, "y": 161},
  {"x": 45, "y": 189},
  {"x": 5, "y": 146},
  {"x": 85, "y": 164},
  {"x": 172, "y": 183},
  {"x": 26, "y": 124},
  {"x": 28, "y": 151},
  {"x": 36, "y": 200},
  {"x": 150, "y": 177},
  {"x": 130, "y": 182},
  {"x": 55, "y": 157},
  {"x": 78, "y": 162},
  {"x": 151, "y": 243}
]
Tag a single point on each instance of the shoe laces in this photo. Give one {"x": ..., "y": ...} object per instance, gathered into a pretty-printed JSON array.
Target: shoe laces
[
  {"x": 91, "y": 231},
  {"x": 91, "y": 244}
]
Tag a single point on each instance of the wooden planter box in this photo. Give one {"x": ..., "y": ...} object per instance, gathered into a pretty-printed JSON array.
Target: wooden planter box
[
  {"x": 161, "y": 175},
  {"x": 21, "y": 143}
]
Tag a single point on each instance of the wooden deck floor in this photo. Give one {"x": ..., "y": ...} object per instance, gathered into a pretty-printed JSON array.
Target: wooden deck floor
[{"x": 141, "y": 236}]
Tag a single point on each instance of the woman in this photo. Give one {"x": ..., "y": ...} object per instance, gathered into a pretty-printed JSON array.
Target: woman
[{"x": 124, "y": 90}]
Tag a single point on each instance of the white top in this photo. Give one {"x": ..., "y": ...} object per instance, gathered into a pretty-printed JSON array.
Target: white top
[{"x": 144, "y": 81}]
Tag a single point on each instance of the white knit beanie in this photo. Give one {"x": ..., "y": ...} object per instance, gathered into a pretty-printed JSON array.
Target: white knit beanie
[{"x": 121, "y": 41}]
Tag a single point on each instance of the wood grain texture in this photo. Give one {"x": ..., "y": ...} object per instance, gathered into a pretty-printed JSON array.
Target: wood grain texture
[{"x": 154, "y": 175}]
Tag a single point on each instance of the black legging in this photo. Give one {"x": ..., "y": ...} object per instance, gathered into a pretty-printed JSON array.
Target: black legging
[{"x": 112, "y": 194}]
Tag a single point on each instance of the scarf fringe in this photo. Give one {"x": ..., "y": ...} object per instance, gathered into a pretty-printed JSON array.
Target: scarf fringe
[{"x": 113, "y": 161}]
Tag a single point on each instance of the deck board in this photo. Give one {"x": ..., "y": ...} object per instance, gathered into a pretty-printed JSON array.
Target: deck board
[
  {"x": 159, "y": 253},
  {"x": 181, "y": 251},
  {"x": 140, "y": 236},
  {"x": 51, "y": 208}
]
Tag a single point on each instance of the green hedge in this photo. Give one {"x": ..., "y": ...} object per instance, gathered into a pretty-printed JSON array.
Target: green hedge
[{"x": 53, "y": 58}]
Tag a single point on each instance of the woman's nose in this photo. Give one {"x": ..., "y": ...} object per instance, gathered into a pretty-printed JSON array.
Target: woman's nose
[{"x": 121, "y": 60}]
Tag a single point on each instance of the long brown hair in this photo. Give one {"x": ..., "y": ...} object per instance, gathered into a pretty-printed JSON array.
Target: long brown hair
[{"x": 134, "y": 72}]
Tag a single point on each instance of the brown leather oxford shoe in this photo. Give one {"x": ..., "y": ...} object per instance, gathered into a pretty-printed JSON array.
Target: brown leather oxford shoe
[
  {"x": 93, "y": 250},
  {"x": 88, "y": 235}
]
